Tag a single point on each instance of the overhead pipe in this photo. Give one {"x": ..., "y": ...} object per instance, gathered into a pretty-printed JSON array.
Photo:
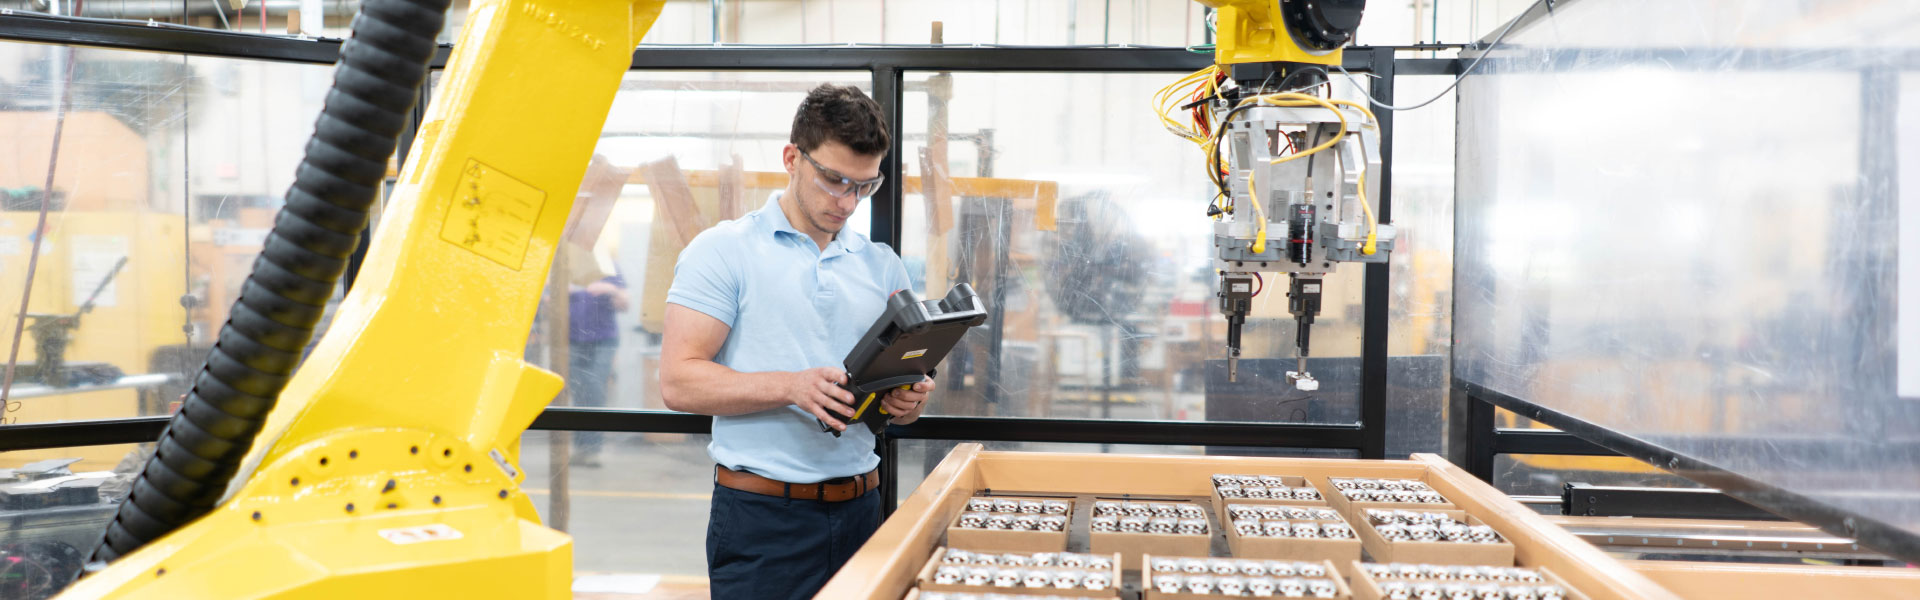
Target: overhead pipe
[{"x": 173, "y": 9}]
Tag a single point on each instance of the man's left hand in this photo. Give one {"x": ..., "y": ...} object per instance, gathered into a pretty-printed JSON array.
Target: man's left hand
[{"x": 906, "y": 405}]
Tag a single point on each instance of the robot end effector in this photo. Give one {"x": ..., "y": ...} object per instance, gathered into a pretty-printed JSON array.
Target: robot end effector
[{"x": 1303, "y": 302}]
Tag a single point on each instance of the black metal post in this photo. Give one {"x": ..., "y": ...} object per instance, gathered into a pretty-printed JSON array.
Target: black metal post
[
  {"x": 1378, "y": 292},
  {"x": 886, "y": 204},
  {"x": 885, "y": 227},
  {"x": 1480, "y": 432},
  {"x": 890, "y": 474}
]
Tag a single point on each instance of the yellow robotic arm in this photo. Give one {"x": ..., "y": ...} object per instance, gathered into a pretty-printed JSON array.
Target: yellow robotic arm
[
  {"x": 1285, "y": 31},
  {"x": 388, "y": 467},
  {"x": 1255, "y": 134}
]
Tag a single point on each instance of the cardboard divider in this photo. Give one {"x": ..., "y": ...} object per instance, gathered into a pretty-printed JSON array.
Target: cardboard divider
[
  {"x": 1498, "y": 554},
  {"x": 926, "y": 581},
  {"x": 1365, "y": 587},
  {"x": 1150, "y": 591},
  {"x": 1291, "y": 480},
  {"x": 1291, "y": 548},
  {"x": 1009, "y": 540},
  {"x": 1355, "y": 510}
]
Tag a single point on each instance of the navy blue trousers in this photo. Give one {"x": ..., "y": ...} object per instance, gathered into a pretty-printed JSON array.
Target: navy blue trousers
[{"x": 768, "y": 547}]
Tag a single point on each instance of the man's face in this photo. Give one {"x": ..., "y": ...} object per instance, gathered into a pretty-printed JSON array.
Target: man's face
[{"x": 823, "y": 211}]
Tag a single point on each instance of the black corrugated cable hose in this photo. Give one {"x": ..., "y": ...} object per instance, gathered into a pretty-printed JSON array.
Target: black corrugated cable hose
[{"x": 380, "y": 71}]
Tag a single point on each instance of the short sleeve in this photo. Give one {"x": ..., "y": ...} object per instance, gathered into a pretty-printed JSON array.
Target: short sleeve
[
  {"x": 894, "y": 271},
  {"x": 704, "y": 281}
]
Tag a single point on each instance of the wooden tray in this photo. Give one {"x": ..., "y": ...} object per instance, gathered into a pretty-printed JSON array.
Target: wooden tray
[
  {"x": 1292, "y": 481},
  {"x": 1365, "y": 587},
  {"x": 1288, "y": 548},
  {"x": 926, "y": 582},
  {"x": 1132, "y": 545},
  {"x": 1356, "y": 510},
  {"x": 1499, "y": 554},
  {"x": 1008, "y": 540},
  {"x": 1150, "y": 592}
]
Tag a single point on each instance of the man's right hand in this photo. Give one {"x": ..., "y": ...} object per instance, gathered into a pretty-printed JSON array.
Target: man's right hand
[{"x": 818, "y": 391}]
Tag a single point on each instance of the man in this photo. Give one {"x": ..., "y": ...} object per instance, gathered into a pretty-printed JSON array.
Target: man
[
  {"x": 592, "y": 340},
  {"x": 762, "y": 311}
]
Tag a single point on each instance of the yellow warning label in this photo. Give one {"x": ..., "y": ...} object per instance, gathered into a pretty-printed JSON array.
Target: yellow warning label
[
  {"x": 492, "y": 214},
  {"x": 914, "y": 354}
]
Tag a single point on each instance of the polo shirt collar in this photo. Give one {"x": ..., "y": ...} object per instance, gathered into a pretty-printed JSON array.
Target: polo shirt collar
[{"x": 774, "y": 221}]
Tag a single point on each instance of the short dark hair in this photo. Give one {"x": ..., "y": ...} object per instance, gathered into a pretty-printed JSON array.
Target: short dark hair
[{"x": 843, "y": 114}]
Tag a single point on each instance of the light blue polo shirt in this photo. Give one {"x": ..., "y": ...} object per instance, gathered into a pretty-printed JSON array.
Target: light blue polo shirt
[{"x": 791, "y": 307}]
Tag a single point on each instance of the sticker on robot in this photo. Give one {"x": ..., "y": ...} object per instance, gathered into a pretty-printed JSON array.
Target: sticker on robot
[
  {"x": 914, "y": 354},
  {"x": 423, "y": 533}
]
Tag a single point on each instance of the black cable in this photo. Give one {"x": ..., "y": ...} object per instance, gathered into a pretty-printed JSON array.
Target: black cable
[
  {"x": 283, "y": 300},
  {"x": 1463, "y": 73},
  {"x": 1220, "y": 132}
]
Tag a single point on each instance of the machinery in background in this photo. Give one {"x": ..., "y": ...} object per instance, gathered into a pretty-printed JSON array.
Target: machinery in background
[
  {"x": 1289, "y": 165},
  {"x": 47, "y": 513},
  {"x": 51, "y": 335}
]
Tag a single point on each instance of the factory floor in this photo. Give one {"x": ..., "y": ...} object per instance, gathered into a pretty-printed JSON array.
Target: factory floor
[
  {"x": 638, "y": 519},
  {"x": 692, "y": 589}
]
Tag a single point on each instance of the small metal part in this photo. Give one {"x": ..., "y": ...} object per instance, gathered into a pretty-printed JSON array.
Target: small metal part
[
  {"x": 1006, "y": 577},
  {"x": 1096, "y": 580},
  {"x": 1276, "y": 529},
  {"x": 1247, "y": 528},
  {"x": 1168, "y": 584},
  {"x": 1252, "y": 568},
  {"x": 948, "y": 575},
  {"x": 1106, "y": 523}
]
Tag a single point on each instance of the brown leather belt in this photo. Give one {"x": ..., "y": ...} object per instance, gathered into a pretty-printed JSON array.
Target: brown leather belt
[{"x": 831, "y": 490}]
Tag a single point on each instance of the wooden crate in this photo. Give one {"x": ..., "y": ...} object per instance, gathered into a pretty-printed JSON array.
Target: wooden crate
[
  {"x": 885, "y": 568},
  {"x": 926, "y": 582},
  {"x": 1499, "y": 554}
]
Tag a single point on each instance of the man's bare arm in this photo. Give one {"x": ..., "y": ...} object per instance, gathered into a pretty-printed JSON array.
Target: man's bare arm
[{"x": 691, "y": 382}]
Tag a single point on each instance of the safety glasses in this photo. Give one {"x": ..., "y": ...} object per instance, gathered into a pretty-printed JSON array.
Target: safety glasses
[{"x": 841, "y": 186}]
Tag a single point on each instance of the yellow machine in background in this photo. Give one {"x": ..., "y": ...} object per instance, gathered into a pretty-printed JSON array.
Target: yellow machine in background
[
  {"x": 100, "y": 217},
  {"x": 149, "y": 315},
  {"x": 389, "y": 467}
]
